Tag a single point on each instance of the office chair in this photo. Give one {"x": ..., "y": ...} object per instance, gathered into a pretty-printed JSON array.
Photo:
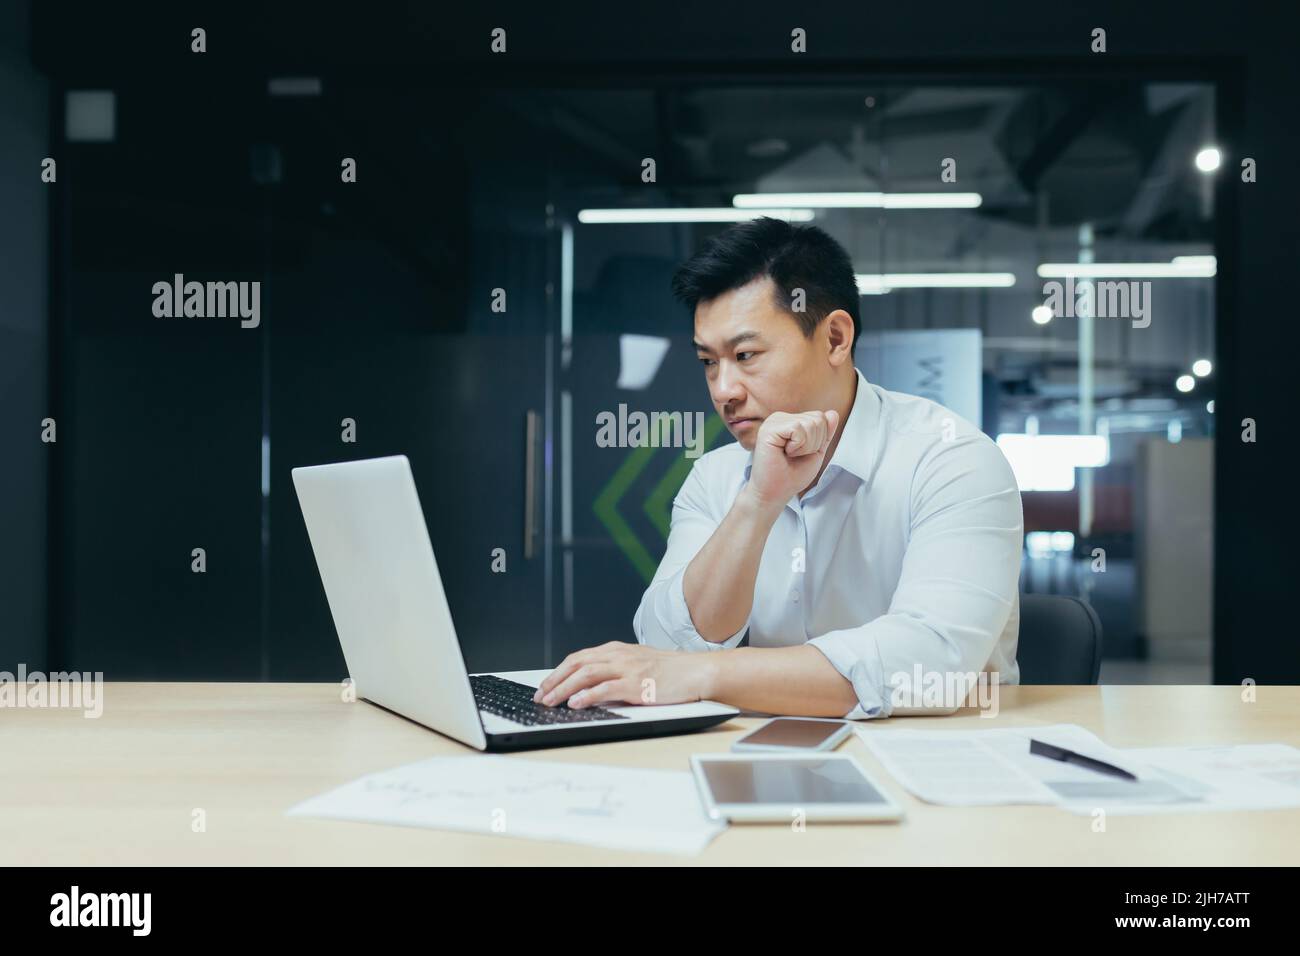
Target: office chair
[{"x": 1060, "y": 640}]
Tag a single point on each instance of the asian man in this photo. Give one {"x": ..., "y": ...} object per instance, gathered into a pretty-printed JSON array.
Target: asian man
[{"x": 858, "y": 536}]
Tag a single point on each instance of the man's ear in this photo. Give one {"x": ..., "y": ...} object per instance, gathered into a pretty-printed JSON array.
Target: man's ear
[{"x": 839, "y": 337}]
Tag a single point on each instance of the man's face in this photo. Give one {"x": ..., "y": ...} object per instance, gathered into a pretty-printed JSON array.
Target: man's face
[{"x": 757, "y": 360}]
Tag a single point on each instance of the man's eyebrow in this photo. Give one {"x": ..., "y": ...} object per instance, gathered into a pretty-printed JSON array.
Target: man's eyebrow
[{"x": 732, "y": 342}]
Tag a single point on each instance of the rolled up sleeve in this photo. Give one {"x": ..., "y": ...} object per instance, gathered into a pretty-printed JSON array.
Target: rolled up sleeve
[
  {"x": 958, "y": 587},
  {"x": 663, "y": 619}
]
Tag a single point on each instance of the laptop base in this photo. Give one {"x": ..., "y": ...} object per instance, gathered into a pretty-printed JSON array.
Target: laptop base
[{"x": 601, "y": 731}]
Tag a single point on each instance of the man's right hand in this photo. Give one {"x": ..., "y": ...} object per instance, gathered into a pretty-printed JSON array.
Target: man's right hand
[{"x": 788, "y": 454}]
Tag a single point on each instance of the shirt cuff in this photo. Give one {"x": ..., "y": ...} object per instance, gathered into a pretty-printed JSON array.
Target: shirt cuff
[
  {"x": 857, "y": 659},
  {"x": 683, "y": 633}
]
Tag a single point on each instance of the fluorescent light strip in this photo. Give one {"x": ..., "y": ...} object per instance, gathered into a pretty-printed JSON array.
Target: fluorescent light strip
[
  {"x": 719, "y": 214},
  {"x": 876, "y": 284},
  {"x": 1182, "y": 267},
  {"x": 860, "y": 200}
]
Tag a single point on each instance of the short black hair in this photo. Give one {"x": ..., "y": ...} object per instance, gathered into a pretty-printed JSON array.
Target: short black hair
[{"x": 794, "y": 257}]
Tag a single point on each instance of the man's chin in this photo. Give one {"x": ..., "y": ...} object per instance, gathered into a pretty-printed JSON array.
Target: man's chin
[{"x": 745, "y": 432}]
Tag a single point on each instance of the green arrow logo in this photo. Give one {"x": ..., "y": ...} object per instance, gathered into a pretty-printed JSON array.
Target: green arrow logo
[{"x": 657, "y": 507}]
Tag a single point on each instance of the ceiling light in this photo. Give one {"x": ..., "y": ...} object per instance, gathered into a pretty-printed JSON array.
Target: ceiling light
[
  {"x": 702, "y": 214},
  {"x": 867, "y": 200},
  {"x": 1182, "y": 267},
  {"x": 870, "y": 283},
  {"x": 1208, "y": 159}
]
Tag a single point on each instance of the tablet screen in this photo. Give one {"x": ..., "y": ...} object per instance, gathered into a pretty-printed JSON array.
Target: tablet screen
[{"x": 788, "y": 782}]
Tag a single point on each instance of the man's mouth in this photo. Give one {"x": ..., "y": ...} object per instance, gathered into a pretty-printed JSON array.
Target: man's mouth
[{"x": 741, "y": 422}]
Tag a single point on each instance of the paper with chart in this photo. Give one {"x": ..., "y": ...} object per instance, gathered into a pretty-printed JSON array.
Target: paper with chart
[
  {"x": 616, "y": 807},
  {"x": 992, "y": 767}
]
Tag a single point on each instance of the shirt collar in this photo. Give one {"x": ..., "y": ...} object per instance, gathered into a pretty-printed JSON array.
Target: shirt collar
[{"x": 855, "y": 451}]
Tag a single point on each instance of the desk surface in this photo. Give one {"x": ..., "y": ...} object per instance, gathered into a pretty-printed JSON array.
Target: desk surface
[{"x": 121, "y": 790}]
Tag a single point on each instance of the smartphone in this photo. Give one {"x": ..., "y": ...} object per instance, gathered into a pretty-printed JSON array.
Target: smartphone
[{"x": 794, "y": 733}]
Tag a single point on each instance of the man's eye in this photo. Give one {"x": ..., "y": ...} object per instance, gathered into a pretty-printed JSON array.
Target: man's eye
[
  {"x": 745, "y": 356},
  {"x": 706, "y": 362}
]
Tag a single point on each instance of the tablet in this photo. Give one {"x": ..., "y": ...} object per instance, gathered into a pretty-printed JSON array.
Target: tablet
[{"x": 778, "y": 788}]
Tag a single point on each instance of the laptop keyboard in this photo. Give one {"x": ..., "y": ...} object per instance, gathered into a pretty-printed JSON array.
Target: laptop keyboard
[{"x": 514, "y": 701}]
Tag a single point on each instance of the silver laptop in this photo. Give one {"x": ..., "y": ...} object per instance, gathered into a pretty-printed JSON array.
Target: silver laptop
[{"x": 381, "y": 579}]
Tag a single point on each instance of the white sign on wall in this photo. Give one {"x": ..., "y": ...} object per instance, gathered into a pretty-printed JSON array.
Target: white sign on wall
[{"x": 943, "y": 365}]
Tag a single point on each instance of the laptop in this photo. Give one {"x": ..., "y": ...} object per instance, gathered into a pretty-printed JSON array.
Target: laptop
[{"x": 381, "y": 580}]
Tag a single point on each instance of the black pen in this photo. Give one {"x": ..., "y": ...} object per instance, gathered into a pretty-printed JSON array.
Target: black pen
[{"x": 1069, "y": 756}]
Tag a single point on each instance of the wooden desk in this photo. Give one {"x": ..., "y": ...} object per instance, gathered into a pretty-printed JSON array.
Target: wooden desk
[{"x": 121, "y": 790}]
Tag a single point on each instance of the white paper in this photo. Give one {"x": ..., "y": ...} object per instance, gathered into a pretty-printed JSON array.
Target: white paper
[
  {"x": 989, "y": 767},
  {"x": 953, "y": 768},
  {"x": 621, "y": 808},
  {"x": 1217, "y": 778}
]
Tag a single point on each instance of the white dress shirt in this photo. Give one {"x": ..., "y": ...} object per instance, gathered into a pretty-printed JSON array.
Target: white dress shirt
[{"x": 905, "y": 553}]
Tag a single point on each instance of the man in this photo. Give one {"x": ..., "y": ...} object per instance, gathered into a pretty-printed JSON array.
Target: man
[{"x": 856, "y": 534}]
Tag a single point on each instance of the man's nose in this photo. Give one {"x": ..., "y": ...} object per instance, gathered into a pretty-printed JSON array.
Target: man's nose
[{"x": 727, "y": 388}]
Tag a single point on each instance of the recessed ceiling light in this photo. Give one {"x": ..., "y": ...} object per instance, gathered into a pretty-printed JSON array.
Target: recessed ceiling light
[{"x": 1208, "y": 159}]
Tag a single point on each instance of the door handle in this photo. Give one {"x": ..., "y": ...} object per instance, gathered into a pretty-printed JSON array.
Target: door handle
[{"x": 532, "y": 434}]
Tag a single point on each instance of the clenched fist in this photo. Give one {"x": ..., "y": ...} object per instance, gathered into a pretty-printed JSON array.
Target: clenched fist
[{"x": 788, "y": 454}]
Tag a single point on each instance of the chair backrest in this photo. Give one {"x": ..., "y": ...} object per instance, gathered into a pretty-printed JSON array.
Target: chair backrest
[{"x": 1060, "y": 640}]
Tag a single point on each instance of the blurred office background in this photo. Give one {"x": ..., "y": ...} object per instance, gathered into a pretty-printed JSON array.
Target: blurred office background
[{"x": 377, "y": 307}]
